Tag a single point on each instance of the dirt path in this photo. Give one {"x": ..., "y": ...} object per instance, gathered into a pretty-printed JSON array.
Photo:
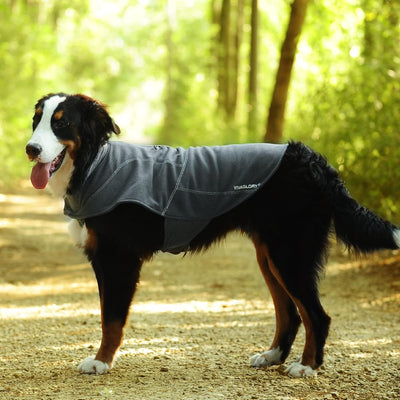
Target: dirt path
[{"x": 194, "y": 323}]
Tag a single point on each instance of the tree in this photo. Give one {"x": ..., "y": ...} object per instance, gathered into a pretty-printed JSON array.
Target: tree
[
  {"x": 223, "y": 55},
  {"x": 170, "y": 104},
  {"x": 229, "y": 44},
  {"x": 253, "y": 63},
  {"x": 277, "y": 106}
]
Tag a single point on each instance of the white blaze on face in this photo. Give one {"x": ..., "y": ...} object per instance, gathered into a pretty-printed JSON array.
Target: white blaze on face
[{"x": 43, "y": 134}]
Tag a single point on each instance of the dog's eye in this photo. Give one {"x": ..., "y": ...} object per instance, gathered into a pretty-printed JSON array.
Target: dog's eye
[{"x": 61, "y": 123}]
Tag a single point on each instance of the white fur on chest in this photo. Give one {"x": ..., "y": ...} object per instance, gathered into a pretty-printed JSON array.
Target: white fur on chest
[{"x": 78, "y": 233}]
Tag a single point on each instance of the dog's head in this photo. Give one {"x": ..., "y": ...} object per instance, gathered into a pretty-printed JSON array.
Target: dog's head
[{"x": 67, "y": 126}]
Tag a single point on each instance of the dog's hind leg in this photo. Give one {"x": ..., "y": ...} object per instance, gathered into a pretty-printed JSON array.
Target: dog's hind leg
[
  {"x": 117, "y": 275},
  {"x": 316, "y": 322},
  {"x": 287, "y": 317},
  {"x": 298, "y": 274}
]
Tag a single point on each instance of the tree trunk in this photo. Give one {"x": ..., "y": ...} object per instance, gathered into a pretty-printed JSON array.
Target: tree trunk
[
  {"x": 169, "y": 118},
  {"x": 277, "y": 107},
  {"x": 215, "y": 15},
  {"x": 252, "y": 102},
  {"x": 223, "y": 58},
  {"x": 233, "y": 75},
  {"x": 230, "y": 40}
]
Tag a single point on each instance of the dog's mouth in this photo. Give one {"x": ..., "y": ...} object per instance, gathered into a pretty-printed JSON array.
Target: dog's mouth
[{"x": 42, "y": 172}]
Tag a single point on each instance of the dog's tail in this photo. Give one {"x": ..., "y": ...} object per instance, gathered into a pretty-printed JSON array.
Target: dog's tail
[{"x": 358, "y": 227}]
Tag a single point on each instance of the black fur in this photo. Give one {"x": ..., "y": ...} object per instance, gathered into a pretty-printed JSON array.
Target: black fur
[
  {"x": 92, "y": 127},
  {"x": 289, "y": 219}
]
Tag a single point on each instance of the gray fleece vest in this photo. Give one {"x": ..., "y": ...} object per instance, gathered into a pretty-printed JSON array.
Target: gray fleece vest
[{"x": 187, "y": 187}]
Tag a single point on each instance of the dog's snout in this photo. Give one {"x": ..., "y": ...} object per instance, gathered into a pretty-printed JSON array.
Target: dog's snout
[{"x": 33, "y": 150}]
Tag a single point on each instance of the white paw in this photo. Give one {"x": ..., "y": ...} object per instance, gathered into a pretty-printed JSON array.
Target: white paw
[
  {"x": 266, "y": 358},
  {"x": 91, "y": 366},
  {"x": 298, "y": 370}
]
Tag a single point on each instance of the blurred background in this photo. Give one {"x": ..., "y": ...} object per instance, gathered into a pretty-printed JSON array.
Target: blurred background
[{"x": 194, "y": 72}]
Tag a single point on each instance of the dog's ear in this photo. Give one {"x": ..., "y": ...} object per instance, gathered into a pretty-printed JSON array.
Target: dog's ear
[
  {"x": 96, "y": 121},
  {"x": 101, "y": 120},
  {"x": 93, "y": 129}
]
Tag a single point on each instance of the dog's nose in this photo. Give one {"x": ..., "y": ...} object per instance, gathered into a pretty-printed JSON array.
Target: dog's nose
[{"x": 33, "y": 150}]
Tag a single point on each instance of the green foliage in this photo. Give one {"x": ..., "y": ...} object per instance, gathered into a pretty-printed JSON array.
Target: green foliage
[
  {"x": 22, "y": 62},
  {"x": 349, "y": 107},
  {"x": 69, "y": 46}
]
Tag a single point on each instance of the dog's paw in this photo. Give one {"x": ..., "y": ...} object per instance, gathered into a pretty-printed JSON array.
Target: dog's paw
[
  {"x": 91, "y": 366},
  {"x": 298, "y": 370},
  {"x": 266, "y": 358}
]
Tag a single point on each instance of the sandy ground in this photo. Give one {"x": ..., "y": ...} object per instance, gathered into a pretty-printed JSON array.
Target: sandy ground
[{"x": 194, "y": 323}]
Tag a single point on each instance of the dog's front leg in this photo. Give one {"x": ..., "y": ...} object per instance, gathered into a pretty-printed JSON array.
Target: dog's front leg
[
  {"x": 112, "y": 335},
  {"x": 117, "y": 275}
]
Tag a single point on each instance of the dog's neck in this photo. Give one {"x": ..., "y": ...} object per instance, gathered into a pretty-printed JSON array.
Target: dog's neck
[{"x": 58, "y": 183}]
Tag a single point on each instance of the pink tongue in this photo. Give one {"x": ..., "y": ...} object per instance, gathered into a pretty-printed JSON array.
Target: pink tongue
[{"x": 40, "y": 175}]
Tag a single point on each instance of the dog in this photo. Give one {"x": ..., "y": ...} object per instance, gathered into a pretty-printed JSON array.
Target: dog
[{"x": 286, "y": 198}]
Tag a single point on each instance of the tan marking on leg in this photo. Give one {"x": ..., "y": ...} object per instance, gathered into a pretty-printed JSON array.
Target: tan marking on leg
[
  {"x": 110, "y": 342},
  {"x": 272, "y": 276},
  {"x": 309, "y": 352},
  {"x": 279, "y": 295}
]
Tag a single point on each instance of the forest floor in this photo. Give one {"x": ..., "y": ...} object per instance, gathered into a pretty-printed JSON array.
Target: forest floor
[{"x": 194, "y": 323}]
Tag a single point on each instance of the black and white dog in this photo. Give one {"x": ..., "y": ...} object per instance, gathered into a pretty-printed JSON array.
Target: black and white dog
[{"x": 128, "y": 202}]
